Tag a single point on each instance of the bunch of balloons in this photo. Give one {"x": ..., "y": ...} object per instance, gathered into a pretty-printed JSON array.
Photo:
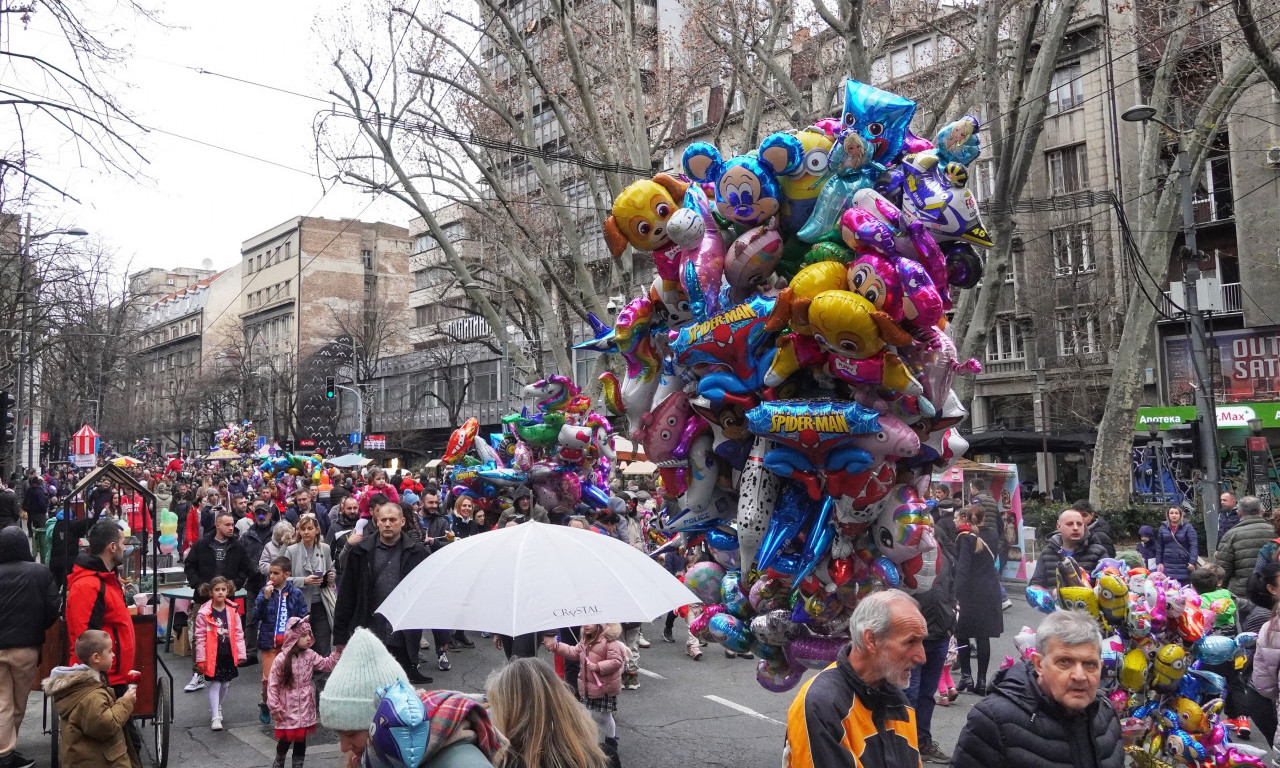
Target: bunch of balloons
[
  {"x": 168, "y": 531},
  {"x": 241, "y": 438},
  {"x": 1158, "y": 640},
  {"x": 563, "y": 452},
  {"x": 285, "y": 464},
  {"x": 142, "y": 449},
  {"x": 789, "y": 370}
]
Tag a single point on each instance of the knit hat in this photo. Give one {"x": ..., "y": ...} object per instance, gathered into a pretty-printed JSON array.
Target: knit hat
[
  {"x": 350, "y": 697},
  {"x": 409, "y": 497},
  {"x": 1146, "y": 530}
]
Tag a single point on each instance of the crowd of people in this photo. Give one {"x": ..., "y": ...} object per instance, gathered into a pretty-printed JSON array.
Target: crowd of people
[
  {"x": 289, "y": 579},
  {"x": 283, "y": 576}
]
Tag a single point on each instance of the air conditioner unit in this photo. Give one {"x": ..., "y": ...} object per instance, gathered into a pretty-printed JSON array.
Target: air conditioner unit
[{"x": 1273, "y": 157}]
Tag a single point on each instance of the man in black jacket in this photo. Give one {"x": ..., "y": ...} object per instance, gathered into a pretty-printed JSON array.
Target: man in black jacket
[
  {"x": 1098, "y": 527},
  {"x": 1072, "y": 539},
  {"x": 1047, "y": 712},
  {"x": 35, "y": 502},
  {"x": 28, "y": 606},
  {"x": 375, "y": 566}
]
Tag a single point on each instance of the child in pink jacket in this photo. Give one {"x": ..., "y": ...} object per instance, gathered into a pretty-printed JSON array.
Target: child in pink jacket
[
  {"x": 291, "y": 697},
  {"x": 602, "y": 656}
]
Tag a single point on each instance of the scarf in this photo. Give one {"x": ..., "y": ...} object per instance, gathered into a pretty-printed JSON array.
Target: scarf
[
  {"x": 282, "y": 614},
  {"x": 455, "y": 717}
]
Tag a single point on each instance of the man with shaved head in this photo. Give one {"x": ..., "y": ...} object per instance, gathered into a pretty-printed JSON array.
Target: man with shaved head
[{"x": 1073, "y": 539}]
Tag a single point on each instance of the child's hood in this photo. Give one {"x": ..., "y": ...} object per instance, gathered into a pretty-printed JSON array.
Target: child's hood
[
  {"x": 68, "y": 685},
  {"x": 298, "y": 626}
]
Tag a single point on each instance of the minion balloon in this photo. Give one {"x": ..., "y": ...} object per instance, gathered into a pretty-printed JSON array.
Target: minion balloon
[{"x": 1168, "y": 667}]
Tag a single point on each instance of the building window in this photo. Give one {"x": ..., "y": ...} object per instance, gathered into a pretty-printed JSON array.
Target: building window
[
  {"x": 879, "y": 71},
  {"x": 484, "y": 382},
  {"x": 1067, "y": 91},
  {"x": 584, "y": 364},
  {"x": 1214, "y": 198},
  {"x": 1068, "y": 170},
  {"x": 982, "y": 179},
  {"x": 1077, "y": 332},
  {"x": 1073, "y": 249},
  {"x": 423, "y": 243},
  {"x": 922, "y": 54},
  {"x": 420, "y": 316},
  {"x": 1005, "y": 342},
  {"x": 697, "y": 116},
  {"x": 367, "y": 258},
  {"x": 900, "y": 62},
  {"x": 288, "y": 249}
]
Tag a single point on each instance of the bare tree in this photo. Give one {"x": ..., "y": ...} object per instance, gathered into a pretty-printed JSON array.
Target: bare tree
[{"x": 1196, "y": 78}]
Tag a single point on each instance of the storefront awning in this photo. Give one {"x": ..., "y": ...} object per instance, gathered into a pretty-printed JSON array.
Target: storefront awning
[
  {"x": 1005, "y": 441},
  {"x": 1236, "y": 415}
]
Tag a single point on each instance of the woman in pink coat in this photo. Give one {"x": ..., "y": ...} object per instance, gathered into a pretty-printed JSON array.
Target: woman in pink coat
[
  {"x": 291, "y": 697},
  {"x": 602, "y": 656}
]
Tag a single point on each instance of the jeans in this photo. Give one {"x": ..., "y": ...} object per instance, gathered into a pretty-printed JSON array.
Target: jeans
[{"x": 924, "y": 684}]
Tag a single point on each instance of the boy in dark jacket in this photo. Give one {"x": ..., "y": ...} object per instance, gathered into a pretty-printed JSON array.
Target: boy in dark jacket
[
  {"x": 90, "y": 717},
  {"x": 1147, "y": 546},
  {"x": 278, "y": 601}
]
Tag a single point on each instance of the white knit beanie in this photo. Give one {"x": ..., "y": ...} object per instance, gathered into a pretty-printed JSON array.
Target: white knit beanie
[{"x": 350, "y": 697}]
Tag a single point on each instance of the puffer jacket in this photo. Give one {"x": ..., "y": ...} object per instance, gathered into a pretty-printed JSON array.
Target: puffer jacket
[
  {"x": 1266, "y": 661},
  {"x": 95, "y": 600},
  {"x": 91, "y": 720},
  {"x": 601, "y": 660},
  {"x": 1017, "y": 725},
  {"x": 1176, "y": 550},
  {"x": 28, "y": 594},
  {"x": 294, "y": 706},
  {"x": 1090, "y": 551},
  {"x": 206, "y": 637},
  {"x": 1238, "y": 551}
]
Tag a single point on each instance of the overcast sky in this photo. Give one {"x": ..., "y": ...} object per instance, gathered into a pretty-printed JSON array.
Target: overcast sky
[{"x": 199, "y": 202}]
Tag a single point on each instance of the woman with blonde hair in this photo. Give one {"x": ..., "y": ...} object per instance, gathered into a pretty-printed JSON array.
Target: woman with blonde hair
[{"x": 544, "y": 725}]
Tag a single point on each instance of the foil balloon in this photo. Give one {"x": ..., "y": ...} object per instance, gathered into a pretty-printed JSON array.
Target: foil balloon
[
  {"x": 704, "y": 580},
  {"x": 1215, "y": 649},
  {"x": 723, "y": 543},
  {"x": 732, "y": 597},
  {"x": 1133, "y": 671},
  {"x": 698, "y": 627},
  {"x": 1041, "y": 599},
  {"x": 731, "y": 632},
  {"x": 751, "y": 260},
  {"x": 879, "y": 117},
  {"x": 816, "y": 651},
  {"x": 400, "y": 730},
  {"x": 640, "y": 214},
  {"x": 777, "y": 678},
  {"x": 1168, "y": 667},
  {"x": 800, "y": 188},
  {"x": 758, "y": 491},
  {"x": 775, "y": 628},
  {"x": 747, "y": 190},
  {"x": 460, "y": 440}
]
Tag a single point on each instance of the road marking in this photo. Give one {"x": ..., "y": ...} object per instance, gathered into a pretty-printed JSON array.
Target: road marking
[
  {"x": 742, "y": 709},
  {"x": 648, "y": 673}
]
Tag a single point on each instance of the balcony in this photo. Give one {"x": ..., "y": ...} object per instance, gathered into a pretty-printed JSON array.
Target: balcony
[
  {"x": 1015, "y": 365},
  {"x": 1212, "y": 296}
]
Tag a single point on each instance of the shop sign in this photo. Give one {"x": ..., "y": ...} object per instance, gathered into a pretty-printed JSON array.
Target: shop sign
[
  {"x": 1229, "y": 416},
  {"x": 1245, "y": 364}
]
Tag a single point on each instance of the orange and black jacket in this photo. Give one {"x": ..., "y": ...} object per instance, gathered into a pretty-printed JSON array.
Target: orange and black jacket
[{"x": 838, "y": 721}]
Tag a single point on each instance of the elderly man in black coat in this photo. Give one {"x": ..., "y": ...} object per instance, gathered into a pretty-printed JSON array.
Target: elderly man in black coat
[{"x": 1046, "y": 711}]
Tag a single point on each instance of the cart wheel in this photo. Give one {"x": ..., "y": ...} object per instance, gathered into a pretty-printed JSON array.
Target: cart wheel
[
  {"x": 162, "y": 720},
  {"x": 54, "y": 762}
]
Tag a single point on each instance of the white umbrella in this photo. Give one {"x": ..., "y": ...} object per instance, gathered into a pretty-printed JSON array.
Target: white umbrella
[
  {"x": 532, "y": 577},
  {"x": 348, "y": 460}
]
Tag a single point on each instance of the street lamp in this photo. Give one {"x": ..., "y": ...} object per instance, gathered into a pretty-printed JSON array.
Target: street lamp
[
  {"x": 26, "y": 366},
  {"x": 1205, "y": 408}
]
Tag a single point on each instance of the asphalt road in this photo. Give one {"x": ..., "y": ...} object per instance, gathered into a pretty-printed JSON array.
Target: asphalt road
[{"x": 707, "y": 713}]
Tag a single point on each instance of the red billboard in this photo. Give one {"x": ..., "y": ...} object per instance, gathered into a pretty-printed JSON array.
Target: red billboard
[{"x": 1246, "y": 367}]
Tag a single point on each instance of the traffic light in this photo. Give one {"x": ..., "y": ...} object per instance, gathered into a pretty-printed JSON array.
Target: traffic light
[
  {"x": 8, "y": 428},
  {"x": 329, "y": 388},
  {"x": 1185, "y": 443}
]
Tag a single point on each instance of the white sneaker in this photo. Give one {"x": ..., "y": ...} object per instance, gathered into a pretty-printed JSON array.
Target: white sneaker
[
  {"x": 197, "y": 682},
  {"x": 216, "y": 725},
  {"x": 641, "y": 642},
  {"x": 1006, "y": 605}
]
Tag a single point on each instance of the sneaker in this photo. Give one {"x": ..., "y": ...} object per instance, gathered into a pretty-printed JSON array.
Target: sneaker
[
  {"x": 1006, "y": 605},
  {"x": 728, "y": 654},
  {"x": 216, "y": 725},
  {"x": 666, "y": 636},
  {"x": 631, "y": 687},
  {"x": 197, "y": 682},
  {"x": 444, "y": 662},
  {"x": 942, "y": 700},
  {"x": 1242, "y": 727},
  {"x": 16, "y": 759},
  {"x": 486, "y": 635},
  {"x": 462, "y": 640},
  {"x": 747, "y": 655},
  {"x": 933, "y": 754},
  {"x": 643, "y": 643},
  {"x": 697, "y": 654},
  {"x": 417, "y": 678},
  {"x": 425, "y": 643},
  {"x": 264, "y": 714}
]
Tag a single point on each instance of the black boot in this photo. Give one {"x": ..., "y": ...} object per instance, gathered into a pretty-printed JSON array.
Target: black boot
[
  {"x": 980, "y": 687},
  {"x": 611, "y": 752},
  {"x": 965, "y": 684}
]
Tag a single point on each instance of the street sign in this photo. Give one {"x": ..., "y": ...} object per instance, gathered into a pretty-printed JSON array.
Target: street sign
[
  {"x": 378, "y": 442},
  {"x": 84, "y": 460},
  {"x": 354, "y": 438}
]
